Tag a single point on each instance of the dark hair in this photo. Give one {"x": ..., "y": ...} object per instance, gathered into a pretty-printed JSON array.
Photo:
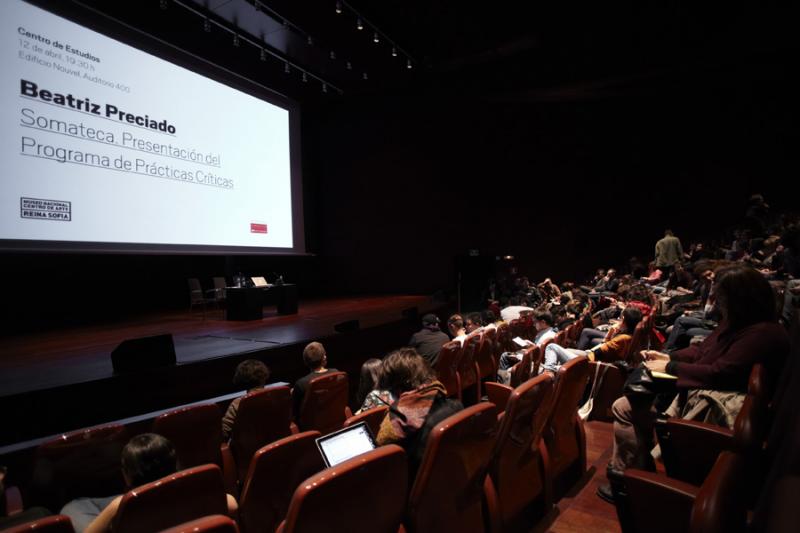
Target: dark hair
[
  {"x": 475, "y": 318},
  {"x": 631, "y": 316},
  {"x": 546, "y": 317},
  {"x": 370, "y": 377},
  {"x": 488, "y": 316},
  {"x": 313, "y": 355},
  {"x": 743, "y": 295},
  {"x": 146, "y": 458},
  {"x": 404, "y": 370},
  {"x": 455, "y": 320},
  {"x": 251, "y": 374}
]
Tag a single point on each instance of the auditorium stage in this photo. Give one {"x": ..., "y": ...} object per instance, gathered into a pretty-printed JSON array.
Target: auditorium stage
[{"x": 60, "y": 375}]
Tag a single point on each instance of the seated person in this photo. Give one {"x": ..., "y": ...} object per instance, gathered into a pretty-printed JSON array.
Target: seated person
[
  {"x": 146, "y": 458},
  {"x": 748, "y": 334},
  {"x": 316, "y": 360},
  {"x": 429, "y": 340},
  {"x": 455, "y": 326},
  {"x": 473, "y": 323},
  {"x": 609, "y": 351},
  {"x": 543, "y": 322},
  {"x": 421, "y": 404},
  {"x": 28, "y": 515},
  {"x": 369, "y": 395},
  {"x": 251, "y": 375},
  {"x": 512, "y": 312}
]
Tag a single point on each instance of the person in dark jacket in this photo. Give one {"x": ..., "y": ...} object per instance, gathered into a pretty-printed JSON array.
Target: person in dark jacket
[{"x": 429, "y": 340}]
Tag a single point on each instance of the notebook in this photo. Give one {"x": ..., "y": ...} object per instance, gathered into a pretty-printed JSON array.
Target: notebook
[
  {"x": 345, "y": 444},
  {"x": 259, "y": 281}
]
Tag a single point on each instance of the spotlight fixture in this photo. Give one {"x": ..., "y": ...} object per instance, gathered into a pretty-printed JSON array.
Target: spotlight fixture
[
  {"x": 263, "y": 54},
  {"x": 408, "y": 63},
  {"x": 364, "y": 76},
  {"x": 338, "y": 8},
  {"x": 286, "y": 68},
  {"x": 376, "y": 38},
  {"x": 310, "y": 41},
  {"x": 394, "y": 51},
  {"x": 359, "y": 24},
  {"x": 207, "y": 25},
  {"x": 236, "y": 39},
  {"x": 305, "y": 77},
  {"x": 324, "y": 87},
  {"x": 332, "y": 55},
  {"x": 349, "y": 65},
  {"x": 163, "y": 4}
]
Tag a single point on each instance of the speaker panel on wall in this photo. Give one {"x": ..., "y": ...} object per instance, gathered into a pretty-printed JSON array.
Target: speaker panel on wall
[{"x": 143, "y": 353}]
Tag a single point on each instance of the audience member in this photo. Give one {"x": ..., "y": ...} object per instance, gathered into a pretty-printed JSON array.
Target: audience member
[
  {"x": 429, "y": 340},
  {"x": 668, "y": 252},
  {"x": 473, "y": 323},
  {"x": 369, "y": 395},
  {"x": 543, "y": 322},
  {"x": 316, "y": 360},
  {"x": 251, "y": 375},
  {"x": 512, "y": 312},
  {"x": 455, "y": 326}
]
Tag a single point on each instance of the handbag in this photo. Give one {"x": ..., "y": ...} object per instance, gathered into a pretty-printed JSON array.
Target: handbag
[
  {"x": 586, "y": 409},
  {"x": 642, "y": 385}
]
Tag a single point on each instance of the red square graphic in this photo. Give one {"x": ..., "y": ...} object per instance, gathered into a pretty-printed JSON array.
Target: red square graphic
[{"x": 258, "y": 228}]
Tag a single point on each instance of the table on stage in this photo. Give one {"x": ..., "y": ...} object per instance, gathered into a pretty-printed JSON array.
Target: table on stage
[{"x": 247, "y": 303}]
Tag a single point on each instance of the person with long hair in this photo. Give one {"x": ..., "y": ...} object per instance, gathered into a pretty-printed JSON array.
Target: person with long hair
[{"x": 369, "y": 394}]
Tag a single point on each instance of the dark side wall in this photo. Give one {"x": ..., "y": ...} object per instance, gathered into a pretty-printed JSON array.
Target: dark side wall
[{"x": 566, "y": 180}]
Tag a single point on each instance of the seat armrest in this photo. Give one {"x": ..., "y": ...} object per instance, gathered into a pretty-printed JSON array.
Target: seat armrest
[
  {"x": 229, "y": 471},
  {"x": 653, "y": 497},
  {"x": 691, "y": 448},
  {"x": 498, "y": 394},
  {"x": 13, "y": 501}
]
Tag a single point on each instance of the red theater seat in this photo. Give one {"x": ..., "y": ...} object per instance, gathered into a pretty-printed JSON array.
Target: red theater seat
[
  {"x": 195, "y": 432},
  {"x": 207, "y": 524},
  {"x": 49, "y": 524},
  {"x": 324, "y": 406},
  {"x": 447, "y": 368},
  {"x": 373, "y": 417}
]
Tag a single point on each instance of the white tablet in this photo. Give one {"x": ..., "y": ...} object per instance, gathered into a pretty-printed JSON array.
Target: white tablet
[{"x": 346, "y": 443}]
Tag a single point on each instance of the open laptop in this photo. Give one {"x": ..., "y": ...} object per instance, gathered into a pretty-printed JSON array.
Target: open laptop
[
  {"x": 259, "y": 281},
  {"x": 345, "y": 444}
]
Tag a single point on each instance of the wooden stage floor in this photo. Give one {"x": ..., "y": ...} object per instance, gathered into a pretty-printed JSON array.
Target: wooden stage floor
[{"x": 69, "y": 356}]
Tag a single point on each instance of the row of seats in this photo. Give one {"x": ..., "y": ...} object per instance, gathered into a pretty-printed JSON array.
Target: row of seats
[{"x": 501, "y": 458}]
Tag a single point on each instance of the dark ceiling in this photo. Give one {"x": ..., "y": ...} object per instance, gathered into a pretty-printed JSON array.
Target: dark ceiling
[{"x": 501, "y": 49}]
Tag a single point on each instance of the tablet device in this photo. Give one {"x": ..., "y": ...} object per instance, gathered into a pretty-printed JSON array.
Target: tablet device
[{"x": 346, "y": 443}]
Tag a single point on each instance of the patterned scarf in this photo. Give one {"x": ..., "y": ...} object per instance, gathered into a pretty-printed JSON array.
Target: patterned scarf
[{"x": 415, "y": 406}]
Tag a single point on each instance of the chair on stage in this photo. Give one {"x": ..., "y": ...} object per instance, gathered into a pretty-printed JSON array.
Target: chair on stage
[{"x": 197, "y": 297}]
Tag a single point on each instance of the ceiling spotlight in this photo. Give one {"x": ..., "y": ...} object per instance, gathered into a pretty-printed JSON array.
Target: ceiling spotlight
[
  {"x": 364, "y": 76},
  {"x": 263, "y": 54},
  {"x": 305, "y": 77},
  {"x": 376, "y": 38},
  {"x": 408, "y": 63},
  {"x": 394, "y": 51},
  {"x": 285, "y": 23},
  {"x": 333, "y": 55},
  {"x": 310, "y": 41},
  {"x": 236, "y": 39},
  {"x": 349, "y": 65},
  {"x": 207, "y": 25},
  {"x": 324, "y": 87},
  {"x": 257, "y": 5},
  {"x": 286, "y": 68},
  {"x": 339, "y": 8},
  {"x": 164, "y": 4},
  {"x": 359, "y": 24}
]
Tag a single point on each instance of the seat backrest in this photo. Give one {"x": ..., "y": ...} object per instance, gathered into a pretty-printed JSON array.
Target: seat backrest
[
  {"x": 195, "y": 433},
  {"x": 447, "y": 367},
  {"x": 276, "y": 470},
  {"x": 172, "y": 500},
  {"x": 466, "y": 363},
  {"x": 324, "y": 403},
  {"x": 503, "y": 338},
  {"x": 562, "y": 433},
  {"x": 521, "y": 372},
  {"x": 208, "y": 524},
  {"x": 49, "y": 524},
  {"x": 195, "y": 290},
  {"x": 373, "y": 417},
  {"x": 638, "y": 343},
  {"x": 264, "y": 416},
  {"x": 79, "y": 464},
  {"x": 720, "y": 505},
  {"x": 485, "y": 358},
  {"x": 516, "y": 467},
  {"x": 362, "y": 495},
  {"x": 448, "y": 489},
  {"x": 518, "y": 328}
]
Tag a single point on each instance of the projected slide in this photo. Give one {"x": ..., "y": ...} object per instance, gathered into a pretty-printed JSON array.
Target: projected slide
[{"x": 103, "y": 143}]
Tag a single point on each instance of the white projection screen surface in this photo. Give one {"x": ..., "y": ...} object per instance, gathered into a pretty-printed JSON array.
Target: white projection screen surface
[{"x": 106, "y": 147}]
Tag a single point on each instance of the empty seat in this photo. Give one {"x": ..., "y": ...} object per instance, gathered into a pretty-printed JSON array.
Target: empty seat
[
  {"x": 324, "y": 406},
  {"x": 79, "y": 464},
  {"x": 564, "y": 436},
  {"x": 276, "y": 470},
  {"x": 447, "y": 368},
  {"x": 364, "y": 494},
  {"x": 519, "y": 466},
  {"x": 448, "y": 490},
  {"x": 264, "y": 416},
  {"x": 207, "y": 524},
  {"x": 194, "y": 432},
  {"x": 373, "y": 417},
  {"x": 48, "y": 524},
  {"x": 172, "y": 500},
  {"x": 467, "y": 370}
]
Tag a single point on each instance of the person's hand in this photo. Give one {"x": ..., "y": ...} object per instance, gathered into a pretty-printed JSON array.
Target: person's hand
[
  {"x": 653, "y": 355},
  {"x": 657, "y": 365}
]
